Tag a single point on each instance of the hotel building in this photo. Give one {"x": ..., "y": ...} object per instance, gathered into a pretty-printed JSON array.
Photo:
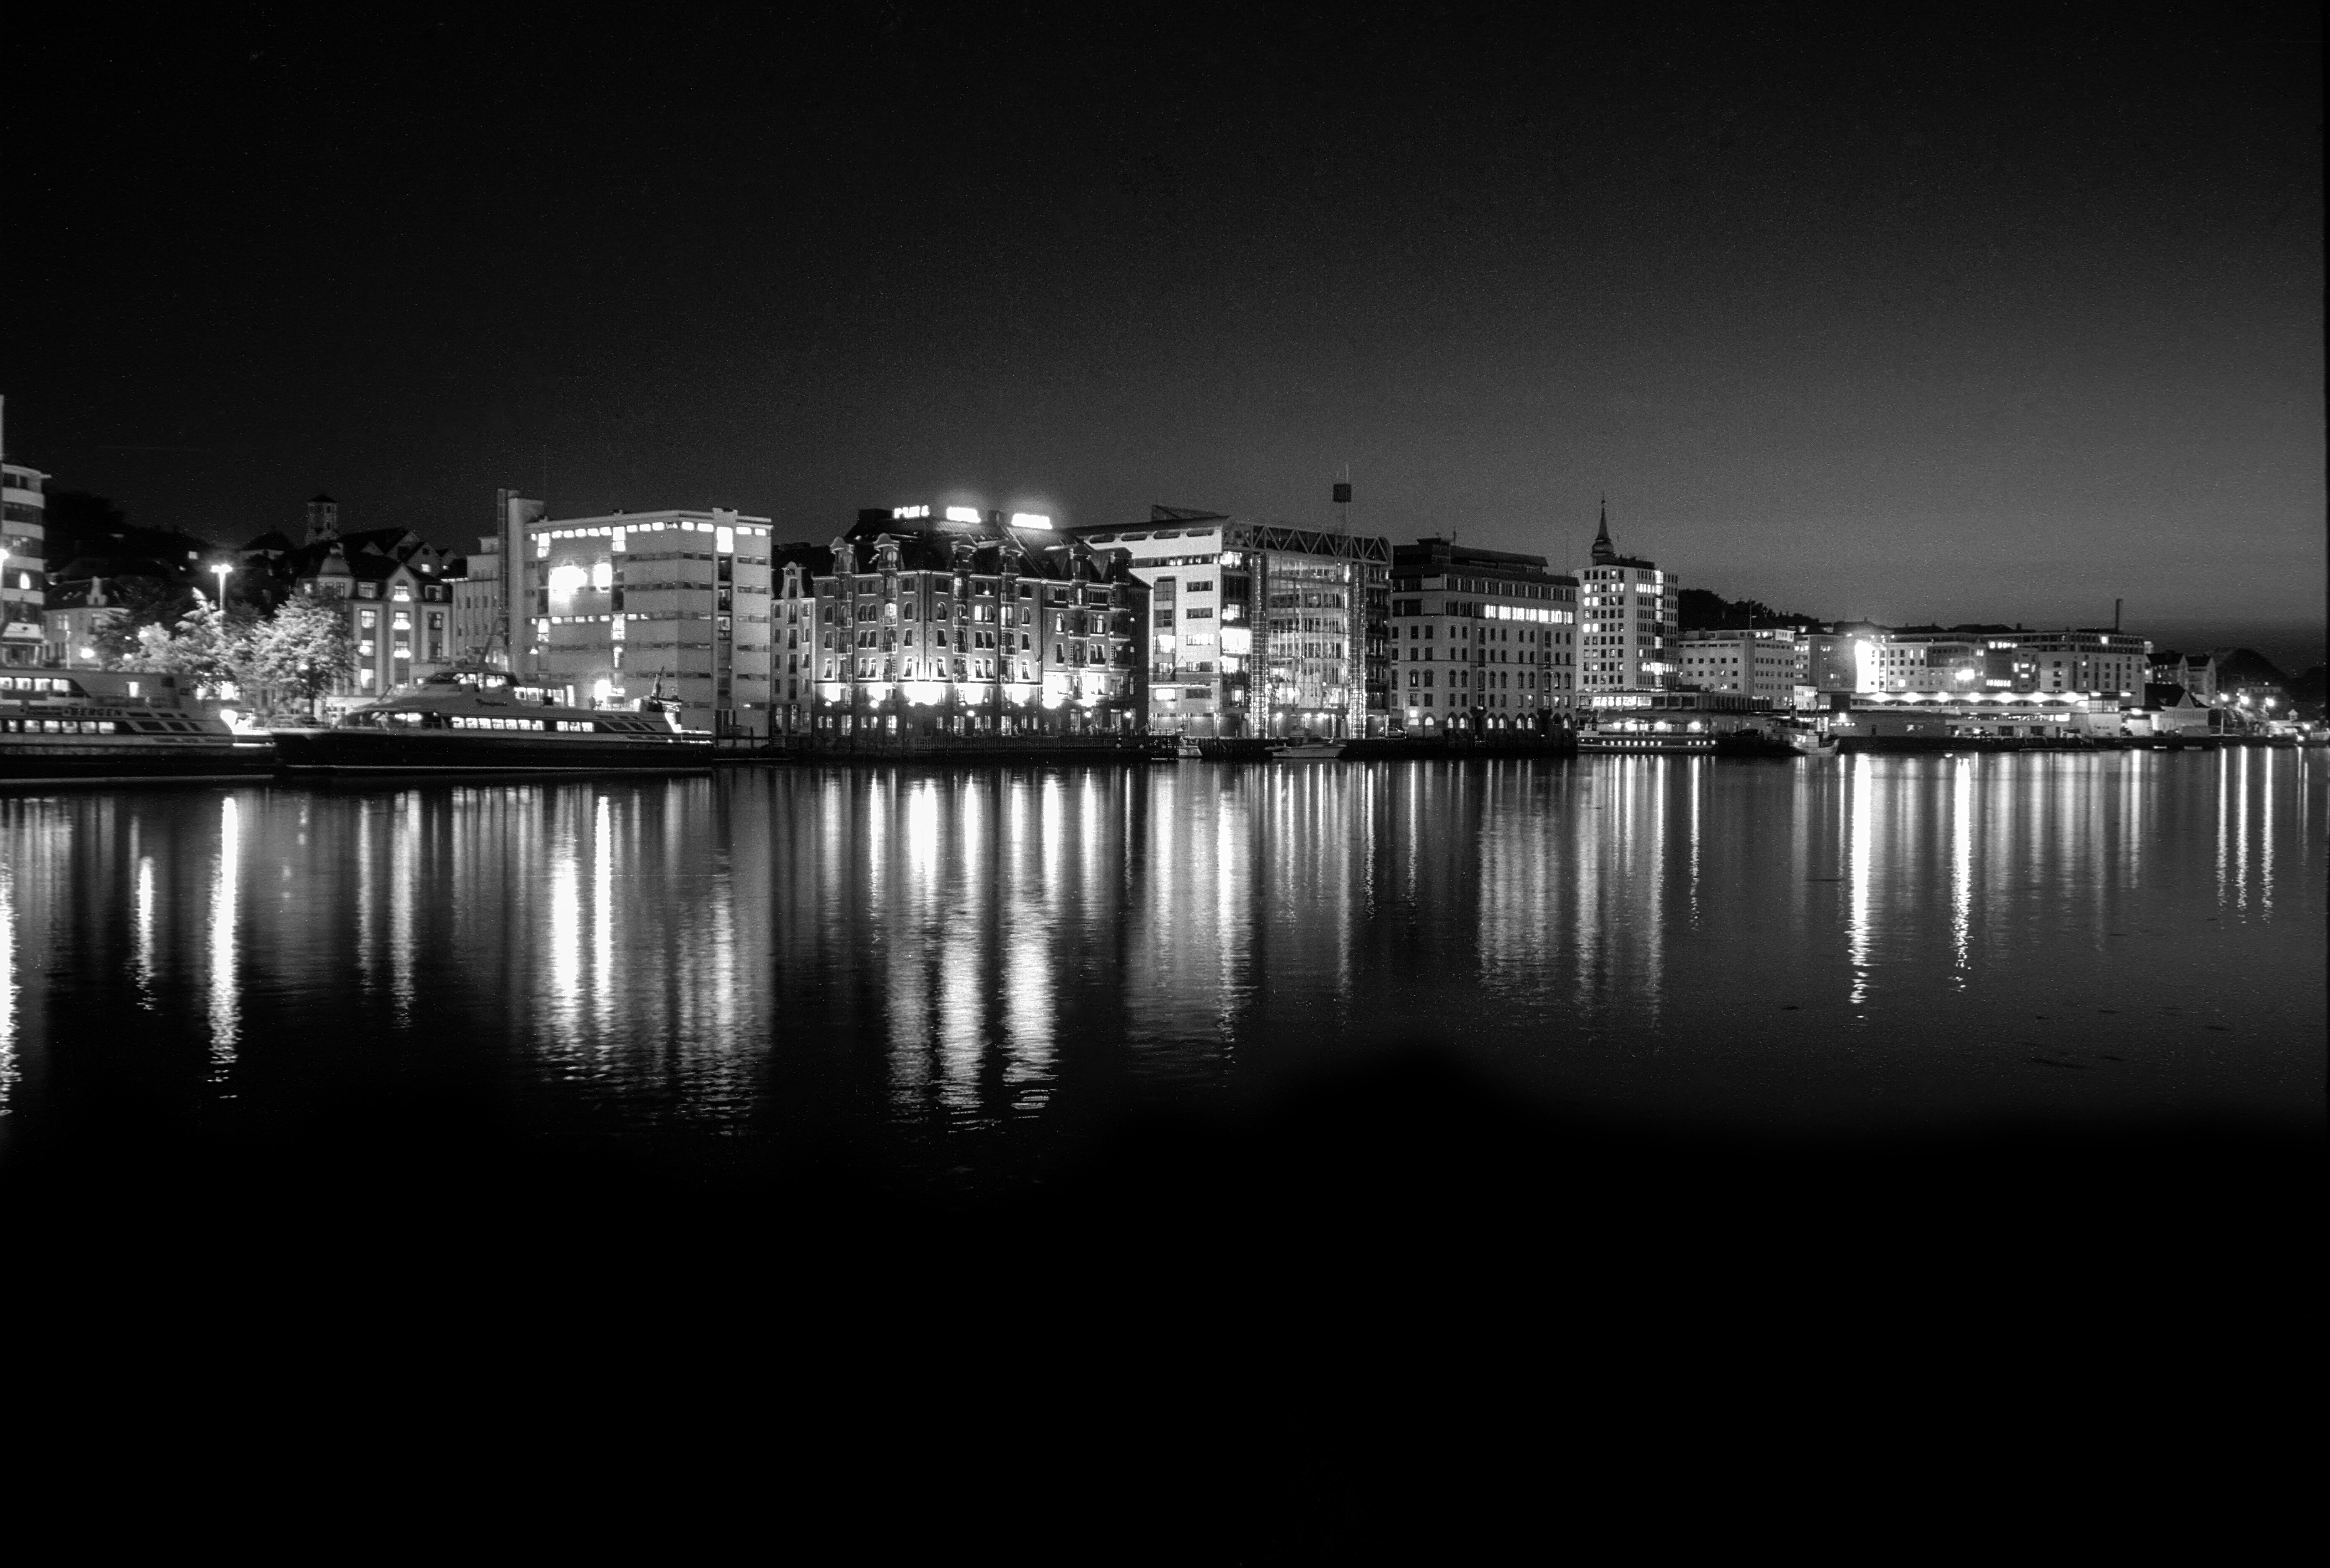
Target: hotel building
[
  {"x": 672, "y": 604},
  {"x": 1481, "y": 640},
  {"x": 23, "y": 561},
  {"x": 1626, "y": 623},
  {"x": 1257, "y": 628},
  {"x": 948, "y": 620}
]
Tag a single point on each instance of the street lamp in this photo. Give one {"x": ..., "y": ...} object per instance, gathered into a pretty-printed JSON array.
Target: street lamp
[{"x": 225, "y": 571}]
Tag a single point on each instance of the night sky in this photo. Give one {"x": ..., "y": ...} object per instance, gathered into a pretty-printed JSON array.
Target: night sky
[{"x": 1859, "y": 316}]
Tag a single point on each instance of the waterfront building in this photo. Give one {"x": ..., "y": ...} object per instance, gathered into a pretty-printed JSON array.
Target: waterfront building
[
  {"x": 1763, "y": 663},
  {"x": 79, "y": 610},
  {"x": 672, "y": 605},
  {"x": 1626, "y": 621},
  {"x": 390, "y": 582},
  {"x": 1996, "y": 658},
  {"x": 479, "y": 635},
  {"x": 24, "y": 559},
  {"x": 1481, "y": 640},
  {"x": 1258, "y": 629},
  {"x": 929, "y": 619}
]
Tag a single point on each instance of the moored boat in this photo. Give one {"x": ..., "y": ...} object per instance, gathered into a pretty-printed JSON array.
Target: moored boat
[
  {"x": 112, "y": 727},
  {"x": 1646, "y": 741},
  {"x": 1307, "y": 751},
  {"x": 483, "y": 722}
]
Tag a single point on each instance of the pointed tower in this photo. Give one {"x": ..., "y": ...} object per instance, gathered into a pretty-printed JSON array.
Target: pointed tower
[{"x": 1605, "y": 553}]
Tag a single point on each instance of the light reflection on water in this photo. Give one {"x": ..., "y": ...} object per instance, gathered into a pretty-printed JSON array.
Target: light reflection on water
[{"x": 781, "y": 948}]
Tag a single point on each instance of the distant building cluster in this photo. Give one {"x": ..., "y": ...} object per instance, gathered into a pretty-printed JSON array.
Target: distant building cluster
[{"x": 932, "y": 619}]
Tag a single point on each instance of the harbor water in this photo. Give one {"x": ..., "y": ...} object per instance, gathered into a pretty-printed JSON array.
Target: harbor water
[{"x": 951, "y": 971}]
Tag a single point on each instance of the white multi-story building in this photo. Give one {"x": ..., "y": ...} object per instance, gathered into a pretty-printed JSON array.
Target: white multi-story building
[
  {"x": 614, "y": 608},
  {"x": 1626, "y": 621},
  {"x": 1763, "y": 663},
  {"x": 1257, "y": 628},
  {"x": 23, "y": 561},
  {"x": 1480, "y": 640}
]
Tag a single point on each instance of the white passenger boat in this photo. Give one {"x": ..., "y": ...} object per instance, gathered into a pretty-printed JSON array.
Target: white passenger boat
[
  {"x": 107, "y": 727},
  {"x": 484, "y": 721}
]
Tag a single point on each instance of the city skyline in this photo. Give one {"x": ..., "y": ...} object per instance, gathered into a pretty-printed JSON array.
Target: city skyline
[{"x": 1908, "y": 325}]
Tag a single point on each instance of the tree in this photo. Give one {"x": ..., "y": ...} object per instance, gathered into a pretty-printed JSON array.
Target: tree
[
  {"x": 210, "y": 647},
  {"x": 139, "y": 603},
  {"x": 1700, "y": 610},
  {"x": 304, "y": 650}
]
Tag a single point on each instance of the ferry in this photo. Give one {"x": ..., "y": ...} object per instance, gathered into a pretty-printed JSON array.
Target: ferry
[
  {"x": 484, "y": 721},
  {"x": 107, "y": 727},
  {"x": 1644, "y": 741}
]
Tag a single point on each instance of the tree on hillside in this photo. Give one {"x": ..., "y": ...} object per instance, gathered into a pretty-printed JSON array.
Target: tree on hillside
[
  {"x": 1700, "y": 609},
  {"x": 303, "y": 650}
]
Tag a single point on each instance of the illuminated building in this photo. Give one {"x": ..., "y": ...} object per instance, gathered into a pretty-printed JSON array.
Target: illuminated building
[
  {"x": 23, "y": 552},
  {"x": 481, "y": 631},
  {"x": 1761, "y": 663},
  {"x": 1259, "y": 629},
  {"x": 391, "y": 580},
  {"x": 1481, "y": 640},
  {"x": 619, "y": 609},
  {"x": 1626, "y": 622},
  {"x": 937, "y": 620}
]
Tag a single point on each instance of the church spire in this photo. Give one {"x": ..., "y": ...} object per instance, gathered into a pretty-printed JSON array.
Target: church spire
[{"x": 1604, "y": 552}]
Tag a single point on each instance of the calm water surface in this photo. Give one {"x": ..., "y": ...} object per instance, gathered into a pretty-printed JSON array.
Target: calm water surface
[{"x": 916, "y": 961}]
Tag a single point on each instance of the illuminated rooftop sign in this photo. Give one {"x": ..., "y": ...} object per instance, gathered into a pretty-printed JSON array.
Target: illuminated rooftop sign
[
  {"x": 1031, "y": 519},
  {"x": 962, "y": 513},
  {"x": 907, "y": 514}
]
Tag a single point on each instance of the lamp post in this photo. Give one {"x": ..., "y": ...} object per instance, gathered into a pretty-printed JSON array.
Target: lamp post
[{"x": 223, "y": 571}]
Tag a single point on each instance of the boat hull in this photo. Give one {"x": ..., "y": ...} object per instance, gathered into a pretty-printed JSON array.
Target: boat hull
[
  {"x": 370, "y": 753},
  {"x": 104, "y": 760}
]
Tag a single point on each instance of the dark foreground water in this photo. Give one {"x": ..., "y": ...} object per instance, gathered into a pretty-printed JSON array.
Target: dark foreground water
[{"x": 958, "y": 972}]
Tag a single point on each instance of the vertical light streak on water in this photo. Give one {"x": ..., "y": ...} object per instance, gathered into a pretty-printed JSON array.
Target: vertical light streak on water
[
  {"x": 722, "y": 1041},
  {"x": 1094, "y": 863},
  {"x": 367, "y": 918},
  {"x": 1858, "y": 848},
  {"x": 2267, "y": 768},
  {"x": 1232, "y": 857},
  {"x": 142, "y": 913},
  {"x": 1961, "y": 868},
  {"x": 1695, "y": 780},
  {"x": 2224, "y": 828},
  {"x": 1659, "y": 782},
  {"x": 1592, "y": 832},
  {"x": 225, "y": 999},
  {"x": 402, "y": 871},
  {"x": 907, "y": 979},
  {"x": 1029, "y": 958},
  {"x": 563, "y": 1013},
  {"x": 1165, "y": 808},
  {"x": 2241, "y": 832},
  {"x": 8, "y": 1069},
  {"x": 603, "y": 984},
  {"x": 978, "y": 904},
  {"x": 1413, "y": 800}
]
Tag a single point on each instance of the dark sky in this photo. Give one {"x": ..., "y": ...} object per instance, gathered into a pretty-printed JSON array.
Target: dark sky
[{"x": 1858, "y": 316}]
